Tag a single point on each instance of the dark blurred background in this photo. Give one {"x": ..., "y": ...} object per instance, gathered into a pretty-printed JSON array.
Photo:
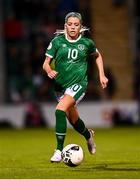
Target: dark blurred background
[{"x": 27, "y": 27}]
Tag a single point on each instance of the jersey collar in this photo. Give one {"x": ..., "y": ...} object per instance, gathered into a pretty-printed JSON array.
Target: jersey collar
[{"x": 72, "y": 41}]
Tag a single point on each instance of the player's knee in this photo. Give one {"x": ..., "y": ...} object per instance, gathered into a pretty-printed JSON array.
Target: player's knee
[{"x": 61, "y": 108}]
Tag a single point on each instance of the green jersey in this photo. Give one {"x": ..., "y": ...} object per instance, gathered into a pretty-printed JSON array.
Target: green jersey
[{"x": 70, "y": 59}]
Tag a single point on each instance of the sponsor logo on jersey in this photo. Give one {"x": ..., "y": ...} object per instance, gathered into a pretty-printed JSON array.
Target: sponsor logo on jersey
[
  {"x": 81, "y": 47},
  {"x": 64, "y": 45}
]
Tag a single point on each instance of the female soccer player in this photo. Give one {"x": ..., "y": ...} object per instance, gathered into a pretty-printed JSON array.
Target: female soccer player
[{"x": 70, "y": 50}]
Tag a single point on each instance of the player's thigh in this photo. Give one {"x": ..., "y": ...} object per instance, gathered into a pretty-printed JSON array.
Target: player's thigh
[{"x": 65, "y": 103}]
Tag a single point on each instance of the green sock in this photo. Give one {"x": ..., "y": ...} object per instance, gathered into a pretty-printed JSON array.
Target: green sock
[
  {"x": 60, "y": 128},
  {"x": 79, "y": 126}
]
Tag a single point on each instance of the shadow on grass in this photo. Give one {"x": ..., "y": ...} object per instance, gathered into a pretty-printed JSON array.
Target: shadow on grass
[{"x": 111, "y": 167}]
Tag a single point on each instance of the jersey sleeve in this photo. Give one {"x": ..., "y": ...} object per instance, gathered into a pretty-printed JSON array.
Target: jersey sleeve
[
  {"x": 52, "y": 48},
  {"x": 92, "y": 47}
]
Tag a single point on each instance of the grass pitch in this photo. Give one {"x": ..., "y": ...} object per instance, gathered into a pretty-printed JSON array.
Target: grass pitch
[{"x": 26, "y": 154}]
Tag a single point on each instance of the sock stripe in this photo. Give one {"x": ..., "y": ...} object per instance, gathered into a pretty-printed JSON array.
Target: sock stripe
[
  {"x": 84, "y": 130},
  {"x": 60, "y": 134}
]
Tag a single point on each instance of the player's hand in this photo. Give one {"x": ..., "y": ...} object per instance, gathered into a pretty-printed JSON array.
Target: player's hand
[
  {"x": 103, "y": 81},
  {"x": 52, "y": 74}
]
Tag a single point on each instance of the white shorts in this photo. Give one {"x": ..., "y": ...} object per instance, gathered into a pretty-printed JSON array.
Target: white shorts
[{"x": 77, "y": 91}]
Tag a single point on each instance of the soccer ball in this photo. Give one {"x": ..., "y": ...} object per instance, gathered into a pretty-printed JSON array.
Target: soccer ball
[{"x": 72, "y": 155}]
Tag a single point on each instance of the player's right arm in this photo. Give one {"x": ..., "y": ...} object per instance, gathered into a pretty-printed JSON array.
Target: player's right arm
[{"x": 46, "y": 66}]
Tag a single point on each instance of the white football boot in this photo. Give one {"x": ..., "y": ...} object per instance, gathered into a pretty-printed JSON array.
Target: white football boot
[
  {"x": 56, "y": 156},
  {"x": 90, "y": 142}
]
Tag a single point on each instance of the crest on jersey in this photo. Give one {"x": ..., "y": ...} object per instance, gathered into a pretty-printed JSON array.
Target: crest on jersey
[
  {"x": 50, "y": 46},
  {"x": 81, "y": 47}
]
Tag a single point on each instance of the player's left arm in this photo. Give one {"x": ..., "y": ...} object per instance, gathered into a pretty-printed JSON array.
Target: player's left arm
[{"x": 100, "y": 66}]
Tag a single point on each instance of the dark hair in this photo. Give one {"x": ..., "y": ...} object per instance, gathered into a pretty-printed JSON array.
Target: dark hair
[{"x": 73, "y": 14}]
